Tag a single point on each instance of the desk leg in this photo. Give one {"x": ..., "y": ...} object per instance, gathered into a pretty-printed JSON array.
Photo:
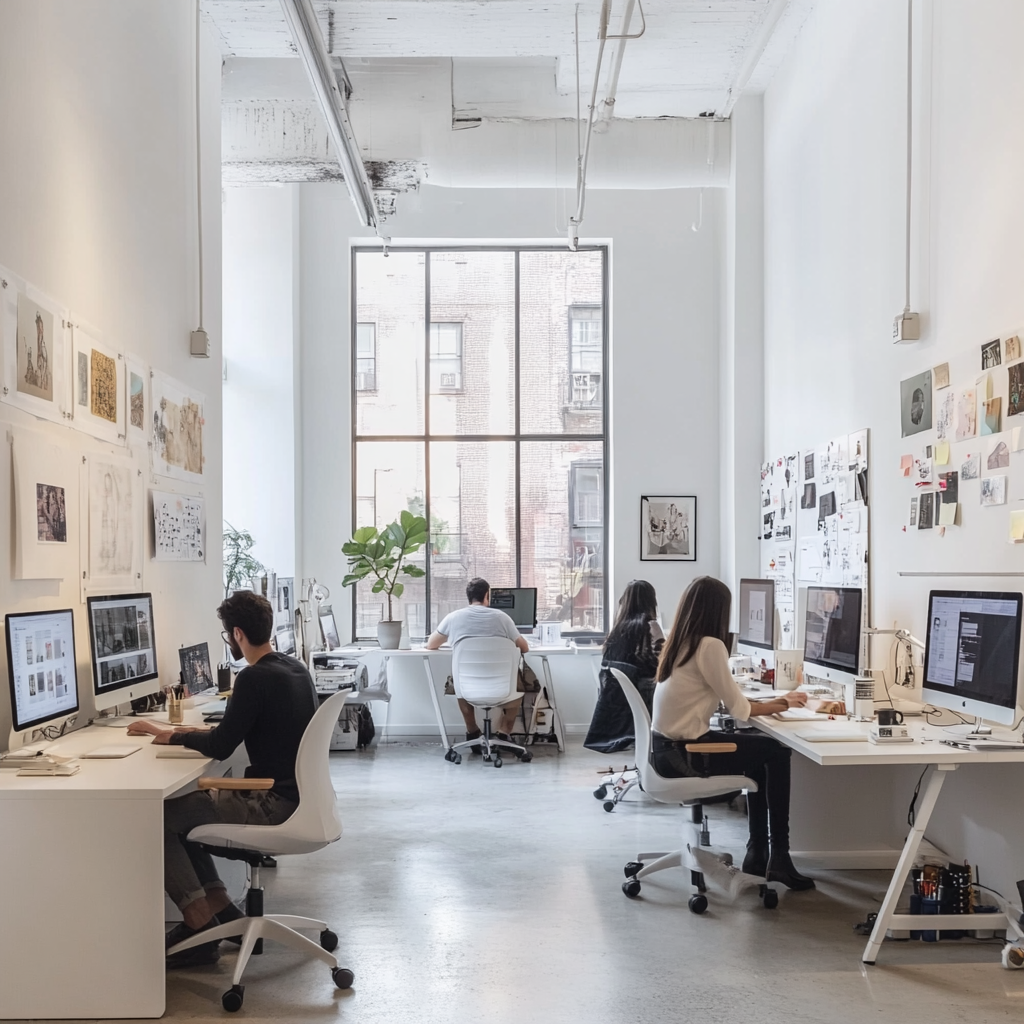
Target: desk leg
[
  {"x": 906, "y": 861},
  {"x": 437, "y": 705},
  {"x": 550, "y": 694}
]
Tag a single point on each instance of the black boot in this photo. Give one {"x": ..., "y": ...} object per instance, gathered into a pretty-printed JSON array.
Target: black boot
[
  {"x": 782, "y": 869},
  {"x": 756, "y": 860}
]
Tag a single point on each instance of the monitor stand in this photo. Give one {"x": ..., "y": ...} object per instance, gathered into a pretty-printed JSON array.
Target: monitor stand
[{"x": 968, "y": 730}]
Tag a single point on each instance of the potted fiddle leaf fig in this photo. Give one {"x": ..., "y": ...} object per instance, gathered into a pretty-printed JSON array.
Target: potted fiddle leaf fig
[{"x": 382, "y": 555}]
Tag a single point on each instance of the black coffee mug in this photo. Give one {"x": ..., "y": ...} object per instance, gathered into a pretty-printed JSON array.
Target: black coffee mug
[{"x": 890, "y": 716}]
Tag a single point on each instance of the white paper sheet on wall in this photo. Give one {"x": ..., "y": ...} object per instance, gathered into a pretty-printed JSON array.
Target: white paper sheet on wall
[{"x": 179, "y": 527}]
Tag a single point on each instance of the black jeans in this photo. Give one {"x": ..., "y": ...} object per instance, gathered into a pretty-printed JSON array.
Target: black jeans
[{"x": 760, "y": 758}]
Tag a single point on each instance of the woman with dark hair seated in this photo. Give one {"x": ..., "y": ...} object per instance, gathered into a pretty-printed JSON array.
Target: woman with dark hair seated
[
  {"x": 632, "y": 647},
  {"x": 693, "y": 677}
]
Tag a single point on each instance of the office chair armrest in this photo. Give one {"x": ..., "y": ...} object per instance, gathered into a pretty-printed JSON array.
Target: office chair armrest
[
  {"x": 709, "y": 748},
  {"x": 208, "y": 782}
]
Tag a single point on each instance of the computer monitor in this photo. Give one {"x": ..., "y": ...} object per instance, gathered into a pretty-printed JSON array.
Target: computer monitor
[
  {"x": 329, "y": 628},
  {"x": 972, "y": 653},
  {"x": 196, "y": 673},
  {"x": 832, "y": 633},
  {"x": 519, "y": 602},
  {"x": 123, "y": 648},
  {"x": 284, "y": 638},
  {"x": 41, "y": 668},
  {"x": 756, "y": 632}
]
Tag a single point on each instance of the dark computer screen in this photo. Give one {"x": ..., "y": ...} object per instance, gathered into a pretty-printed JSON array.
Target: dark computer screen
[
  {"x": 973, "y": 644},
  {"x": 41, "y": 667},
  {"x": 757, "y": 614},
  {"x": 122, "y": 639},
  {"x": 832, "y": 627},
  {"x": 518, "y": 602},
  {"x": 196, "y": 671}
]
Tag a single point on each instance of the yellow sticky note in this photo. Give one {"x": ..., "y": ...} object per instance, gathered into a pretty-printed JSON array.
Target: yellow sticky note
[
  {"x": 942, "y": 453},
  {"x": 947, "y": 513},
  {"x": 1016, "y": 527}
]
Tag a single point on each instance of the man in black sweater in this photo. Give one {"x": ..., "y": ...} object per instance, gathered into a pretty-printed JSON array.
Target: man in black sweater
[{"x": 271, "y": 704}]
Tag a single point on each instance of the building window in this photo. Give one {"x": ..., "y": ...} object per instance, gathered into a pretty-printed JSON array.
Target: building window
[
  {"x": 470, "y": 425},
  {"x": 445, "y": 358},
  {"x": 366, "y": 357}
]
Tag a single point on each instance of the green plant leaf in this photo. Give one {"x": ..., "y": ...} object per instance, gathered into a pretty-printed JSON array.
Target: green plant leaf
[
  {"x": 351, "y": 580},
  {"x": 398, "y": 590},
  {"x": 406, "y": 518},
  {"x": 352, "y": 549},
  {"x": 364, "y": 534},
  {"x": 414, "y": 570},
  {"x": 378, "y": 586}
]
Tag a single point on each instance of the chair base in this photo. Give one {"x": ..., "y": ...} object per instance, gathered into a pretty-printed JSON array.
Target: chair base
[{"x": 491, "y": 747}]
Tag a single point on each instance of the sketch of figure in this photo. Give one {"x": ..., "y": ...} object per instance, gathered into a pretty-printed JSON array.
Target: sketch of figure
[
  {"x": 110, "y": 521},
  {"x": 104, "y": 387},
  {"x": 51, "y": 514},
  {"x": 83, "y": 379},
  {"x": 35, "y": 327}
]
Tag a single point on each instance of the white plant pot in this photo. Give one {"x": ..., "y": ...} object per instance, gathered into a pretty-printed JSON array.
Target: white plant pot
[{"x": 389, "y": 634}]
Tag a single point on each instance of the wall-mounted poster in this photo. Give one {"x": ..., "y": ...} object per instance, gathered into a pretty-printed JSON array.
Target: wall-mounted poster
[
  {"x": 97, "y": 386},
  {"x": 136, "y": 379},
  {"x": 32, "y": 338},
  {"x": 177, "y": 422},
  {"x": 916, "y": 403},
  {"x": 668, "y": 529},
  {"x": 179, "y": 527}
]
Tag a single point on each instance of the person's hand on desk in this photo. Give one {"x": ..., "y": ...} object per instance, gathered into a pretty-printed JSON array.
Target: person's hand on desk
[
  {"x": 785, "y": 701},
  {"x": 160, "y": 734}
]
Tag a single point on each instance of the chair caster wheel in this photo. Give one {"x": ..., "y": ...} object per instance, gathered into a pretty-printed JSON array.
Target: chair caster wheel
[
  {"x": 609, "y": 805},
  {"x": 343, "y": 977},
  {"x": 634, "y": 867},
  {"x": 328, "y": 940},
  {"x": 453, "y": 756},
  {"x": 232, "y": 999},
  {"x": 498, "y": 762},
  {"x": 631, "y": 888},
  {"x": 266, "y": 861},
  {"x": 770, "y": 898},
  {"x": 601, "y": 792},
  {"x": 526, "y": 757},
  {"x": 698, "y": 903},
  {"x": 457, "y": 759}
]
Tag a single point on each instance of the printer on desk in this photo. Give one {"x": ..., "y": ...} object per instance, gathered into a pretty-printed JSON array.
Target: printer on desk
[{"x": 334, "y": 671}]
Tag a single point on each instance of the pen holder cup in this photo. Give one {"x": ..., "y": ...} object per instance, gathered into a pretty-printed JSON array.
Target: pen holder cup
[
  {"x": 175, "y": 711},
  {"x": 223, "y": 679}
]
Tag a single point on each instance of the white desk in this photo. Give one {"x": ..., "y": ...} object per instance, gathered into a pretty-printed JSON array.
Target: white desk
[
  {"x": 421, "y": 653},
  {"x": 81, "y": 881},
  {"x": 926, "y": 750}
]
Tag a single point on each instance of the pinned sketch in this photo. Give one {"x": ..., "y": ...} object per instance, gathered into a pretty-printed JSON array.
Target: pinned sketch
[
  {"x": 916, "y": 403},
  {"x": 923, "y": 472},
  {"x": 99, "y": 405},
  {"x": 945, "y": 416},
  {"x": 966, "y": 414},
  {"x": 179, "y": 527},
  {"x": 35, "y": 349},
  {"x": 177, "y": 420},
  {"x": 990, "y": 357},
  {"x": 114, "y": 513},
  {"x": 137, "y": 399},
  {"x": 51, "y": 514},
  {"x": 970, "y": 468},
  {"x": 1011, "y": 349},
  {"x": 992, "y": 422},
  {"x": 949, "y": 488},
  {"x": 999, "y": 457},
  {"x": 808, "y": 499},
  {"x": 926, "y": 511},
  {"x": 993, "y": 490},
  {"x": 1015, "y": 405},
  {"x": 912, "y": 521},
  {"x": 940, "y": 376}
]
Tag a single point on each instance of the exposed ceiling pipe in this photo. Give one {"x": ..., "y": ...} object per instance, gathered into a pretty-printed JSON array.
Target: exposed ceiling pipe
[
  {"x": 309, "y": 41},
  {"x": 754, "y": 54},
  {"x": 607, "y": 108}
]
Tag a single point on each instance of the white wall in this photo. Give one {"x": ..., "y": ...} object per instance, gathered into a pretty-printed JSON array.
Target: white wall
[
  {"x": 97, "y": 179},
  {"x": 260, "y": 281},
  {"x": 834, "y": 206}
]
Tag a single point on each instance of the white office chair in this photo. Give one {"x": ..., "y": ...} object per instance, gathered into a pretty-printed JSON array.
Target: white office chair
[
  {"x": 314, "y": 825},
  {"x": 485, "y": 670},
  {"x": 687, "y": 791}
]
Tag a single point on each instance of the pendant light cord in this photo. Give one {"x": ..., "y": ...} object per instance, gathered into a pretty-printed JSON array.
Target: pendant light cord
[{"x": 199, "y": 166}]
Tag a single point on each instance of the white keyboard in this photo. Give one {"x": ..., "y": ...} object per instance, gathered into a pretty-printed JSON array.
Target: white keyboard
[
  {"x": 114, "y": 750},
  {"x": 179, "y": 752},
  {"x": 826, "y": 735}
]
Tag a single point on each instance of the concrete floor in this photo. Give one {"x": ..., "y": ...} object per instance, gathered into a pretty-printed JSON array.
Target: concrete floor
[{"x": 467, "y": 893}]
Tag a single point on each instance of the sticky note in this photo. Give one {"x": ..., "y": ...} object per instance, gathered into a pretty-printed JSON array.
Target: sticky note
[
  {"x": 942, "y": 453},
  {"x": 907, "y": 464},
  {"x": 1016, "y": 527},
  {"x": 947, "y": 513},
  {"x": 1017, "y": 440}
]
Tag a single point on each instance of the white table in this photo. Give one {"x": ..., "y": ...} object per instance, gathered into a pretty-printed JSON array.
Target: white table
[
  {"x": 81, "y": 881},
  {"x": 421, "y": 653},
  {"x": 925, "y": 751}
]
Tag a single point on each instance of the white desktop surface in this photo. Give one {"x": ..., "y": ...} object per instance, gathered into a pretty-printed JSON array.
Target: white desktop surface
[{"x": 81, "y": 881}]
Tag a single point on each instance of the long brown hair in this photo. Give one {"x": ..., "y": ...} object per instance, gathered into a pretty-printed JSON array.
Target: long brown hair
[
  {"x": 703, "y": 611},
  {"x": 630, "y": 638}
]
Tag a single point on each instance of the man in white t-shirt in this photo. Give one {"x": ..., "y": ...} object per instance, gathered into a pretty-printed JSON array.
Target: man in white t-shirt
[{"x": 480, "y": 619}]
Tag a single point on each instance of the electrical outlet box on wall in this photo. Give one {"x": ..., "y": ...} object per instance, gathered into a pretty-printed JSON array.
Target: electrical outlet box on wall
[{"x": 906, "y": 327}]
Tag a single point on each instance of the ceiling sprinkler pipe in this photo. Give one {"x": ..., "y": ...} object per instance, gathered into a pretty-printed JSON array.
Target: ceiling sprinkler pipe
[{"x": 608, "y": 103}]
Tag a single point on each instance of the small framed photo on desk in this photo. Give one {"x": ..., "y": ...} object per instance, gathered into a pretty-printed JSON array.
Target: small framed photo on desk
[{"x": 668, "y": 529}]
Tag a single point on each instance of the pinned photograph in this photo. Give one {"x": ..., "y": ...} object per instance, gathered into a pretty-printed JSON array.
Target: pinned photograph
[
  {"x": 1011, "y": 349},
  {"x": 966, "y": 414},
  {"x": 1016, "y": 402},
  {"x": 51, "y": 514},
  {"x": 999, "y": 457},
  {"x": 970, "y": 469},
  {"x": 990, "y": 357},
  {"x": 35, "y": 348},
  {"x": 926, "y": 513},
  {"x": 940, "y": 376},
  {"x": 827, "y": 506},
  {"x": 809, "y": 498},
  {"x": 809, "y": 466},
  {"x": 668, "y": 528},
  {"x": 916, "y": 403},
  {"x": 923, "y": 471},
  {"x": 993, "y": 419},
  {"x": 913, "y": 511},
  {"x": 949, "y": 488},
  {"x": 993, "y": 490}
]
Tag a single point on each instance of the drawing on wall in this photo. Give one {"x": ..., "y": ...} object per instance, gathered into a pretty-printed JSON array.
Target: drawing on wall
[
  {"x": 940, "y": 376},
  {"x": 999, "y": 457},
  {"x": 1015, "y": 405},
  {"x": 923, "y": 467},
  {"x": 970, "y": 469},
  {"x": 949, "y": 488},
  {"x": 916, "y": 403},
  {"x": 82, "y": 379},
  {"x": 926, "y": 512},
  {"x": 177, "y": 429},
  {"x": 993, "y": 490},
  {"x": 104, "y": 386},
  {"x": 179, "y": 527},
  {"x": 51, "y": 514},
  {"x": 137, "y": 398},
  {"x": 808, "y": 499},
  {"x": 137, "y": 404},
  {"x": 809, "y": 466},
  {"x": 668, "y": 528},
  {"x": 1011, "y": 349},
  {"x": 991, "y": 422},
  {"x": 966, "y": 414},
  {"x": 111, "y": 519},
  {"x": 35, "y": 349},
  {"x": 945, "y": 411},
  {"x": 990, "y": 357}
]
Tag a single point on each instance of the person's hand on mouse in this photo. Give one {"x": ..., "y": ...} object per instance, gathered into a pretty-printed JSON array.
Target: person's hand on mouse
[{"x": 795, "y": 699}]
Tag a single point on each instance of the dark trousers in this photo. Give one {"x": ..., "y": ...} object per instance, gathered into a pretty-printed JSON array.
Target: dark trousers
[{"x": 760, "y": 758}]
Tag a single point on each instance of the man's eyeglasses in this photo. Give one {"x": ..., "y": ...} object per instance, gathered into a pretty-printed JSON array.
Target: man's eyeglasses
[{"x": 226, "y": 637}]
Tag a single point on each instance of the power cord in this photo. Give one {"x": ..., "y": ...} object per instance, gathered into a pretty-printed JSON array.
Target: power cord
[{"x": 911, "y": 811}]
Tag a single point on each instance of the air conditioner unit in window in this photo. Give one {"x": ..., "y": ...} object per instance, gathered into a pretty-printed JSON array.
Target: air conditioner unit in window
[{"x": 451, "y": 380}]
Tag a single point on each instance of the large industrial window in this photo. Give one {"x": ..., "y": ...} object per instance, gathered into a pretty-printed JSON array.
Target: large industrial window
[{"x": 484, "y": 420}]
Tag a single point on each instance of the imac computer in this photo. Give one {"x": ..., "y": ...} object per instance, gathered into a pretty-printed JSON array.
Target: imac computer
[
  {"x": 756, "y": 634},
  {"x": 41, "y": 670},
  {"x": 972, "y": 651},
  {"x": 520, "y": 603},
  {"x": 832, "y": 633},
  {"x": 123, "y": 649}
]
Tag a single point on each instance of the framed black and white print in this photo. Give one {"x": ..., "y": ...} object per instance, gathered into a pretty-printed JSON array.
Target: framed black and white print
[{"x": 668, "y": 529}]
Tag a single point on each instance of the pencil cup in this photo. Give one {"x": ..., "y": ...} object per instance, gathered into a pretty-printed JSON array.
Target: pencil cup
[{"x": 174, "y": 710}]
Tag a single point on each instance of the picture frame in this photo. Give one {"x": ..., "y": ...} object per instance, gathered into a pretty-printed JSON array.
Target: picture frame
[{"x": 668, "y": 528}]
